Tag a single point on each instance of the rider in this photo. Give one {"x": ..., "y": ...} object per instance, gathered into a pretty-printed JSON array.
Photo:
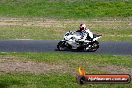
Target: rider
[{"x": 83, "y": 30}]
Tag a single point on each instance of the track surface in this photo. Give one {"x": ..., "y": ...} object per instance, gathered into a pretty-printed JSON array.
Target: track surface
[{"x": 114, "y": 48}]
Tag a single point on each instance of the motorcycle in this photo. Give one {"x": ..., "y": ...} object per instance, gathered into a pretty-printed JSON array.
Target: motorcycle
[{"x": 75, "y": 41}]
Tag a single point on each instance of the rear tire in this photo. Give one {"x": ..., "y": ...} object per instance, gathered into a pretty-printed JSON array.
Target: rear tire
[{"x": 61, "y": 46}]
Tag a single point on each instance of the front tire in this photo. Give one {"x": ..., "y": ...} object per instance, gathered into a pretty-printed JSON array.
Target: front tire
[{"x": 92, "y": 47}]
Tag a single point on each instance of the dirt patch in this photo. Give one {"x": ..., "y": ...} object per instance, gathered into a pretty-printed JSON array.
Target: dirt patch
[
  {"x": 12, "y": 65},
  {"x": 113, "y": 69},
  {"x": 40, "y": 22},
  {"x": 119, "y": 35},
  {"x": 15, "y": 66},
  {"x": 103, "y": 68},
  {"x": 29, "y": 22}
]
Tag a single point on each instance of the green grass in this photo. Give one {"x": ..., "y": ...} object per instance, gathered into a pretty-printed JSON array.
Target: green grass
[
  {"x": 66, "y": 9},
  {"x": 35, "y": 33},
  {"x": 60, "y": 80},
  {"x": 71, "y": 57},
  {"x": 37, "y": 81},
  {"x": 49, "y": 81},
  {"x": 78, "y": 11}
]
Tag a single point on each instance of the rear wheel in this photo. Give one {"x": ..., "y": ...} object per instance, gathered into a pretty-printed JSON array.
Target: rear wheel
[{"x": 61, "y": 46}]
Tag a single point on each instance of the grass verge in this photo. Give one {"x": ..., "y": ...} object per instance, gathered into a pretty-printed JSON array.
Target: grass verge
[
  {"x": 49, "y": 81},
  {"x": 93, "y": 64},
  {"x": 54, "y": 30}
]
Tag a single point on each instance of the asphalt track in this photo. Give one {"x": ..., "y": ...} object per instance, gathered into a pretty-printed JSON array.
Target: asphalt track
[{"x": 114, "y": 48}]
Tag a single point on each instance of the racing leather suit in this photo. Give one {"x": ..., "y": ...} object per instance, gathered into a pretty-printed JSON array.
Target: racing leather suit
[{"x": 87, "y": 32}]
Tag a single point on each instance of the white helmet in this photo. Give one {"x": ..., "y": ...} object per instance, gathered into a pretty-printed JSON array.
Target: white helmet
[{"x": 82, "y": 27}]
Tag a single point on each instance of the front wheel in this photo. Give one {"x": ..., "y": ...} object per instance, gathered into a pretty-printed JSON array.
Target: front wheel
[
  {"x": 92, "y": 47},
  {"x": 61, "y": 46}
]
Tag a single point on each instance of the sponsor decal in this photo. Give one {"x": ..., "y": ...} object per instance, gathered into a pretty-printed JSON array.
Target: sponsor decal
[{"x": 83, "y": 78}]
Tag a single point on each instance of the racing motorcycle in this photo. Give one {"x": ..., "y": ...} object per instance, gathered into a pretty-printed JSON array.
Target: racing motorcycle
[{"x": 75, "y": 41}]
